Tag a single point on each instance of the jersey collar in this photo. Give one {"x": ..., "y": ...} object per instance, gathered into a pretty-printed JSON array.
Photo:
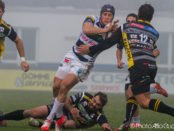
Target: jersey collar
[{"x": 144, "y": 21}]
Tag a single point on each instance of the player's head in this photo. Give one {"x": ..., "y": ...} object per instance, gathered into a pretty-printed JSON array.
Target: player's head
[
  {"x": 131, "y": 18},
  {"x": 146, "y": 12},
  {"x": 2, "y": 8},
  {"x": 98, "y": 101},
  {"x": 107, "y": 14}
]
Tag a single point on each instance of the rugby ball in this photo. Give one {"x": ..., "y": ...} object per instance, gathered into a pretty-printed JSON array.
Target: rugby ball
[{"x": 106, "y": 34}]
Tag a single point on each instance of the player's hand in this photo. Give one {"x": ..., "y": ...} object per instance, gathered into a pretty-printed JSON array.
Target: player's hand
[
  {"x": 83, "y": 49},
  {"x": 120, "y": 64},
  {"x": 115, "y": 25},
  {"x": 24, "y": 66},
  {"x": 108, "y": 27},
  {"x": 106, "y": 127},
  {"x": 75, "y": 112}
]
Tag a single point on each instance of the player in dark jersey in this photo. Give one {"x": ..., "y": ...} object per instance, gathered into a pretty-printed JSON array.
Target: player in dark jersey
[
  {"x": 82, "y": 110},
  {"x": 7, "y": 30},
  {"x": 154, "y": 87},
  {"x": 139, "y": 40}
]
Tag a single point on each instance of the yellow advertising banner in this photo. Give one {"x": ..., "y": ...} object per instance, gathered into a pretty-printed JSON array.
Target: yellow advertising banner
[{"x": 32, "y": 80}]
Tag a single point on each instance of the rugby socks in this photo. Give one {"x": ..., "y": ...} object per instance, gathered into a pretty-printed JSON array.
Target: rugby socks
[
  {"x": 152, "y": 89},
  {"x": 136, "y": 119},
  {"x": 131, "y": 107},
  {"x": 57, "y": 110},
  {"x": 158, "y": 106},
  {"x": 15, "y": 115}
]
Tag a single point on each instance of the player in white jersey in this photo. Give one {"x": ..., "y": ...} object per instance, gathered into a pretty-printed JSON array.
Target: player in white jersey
[{"x": 75, "y": 67}]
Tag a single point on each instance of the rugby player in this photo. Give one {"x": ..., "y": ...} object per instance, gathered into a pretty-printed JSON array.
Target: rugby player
[
  {"x": 81, "y": 110},
  {"x": 75, "y": 67},
  {"x": 154, "y": 88},
  {"x": 7, "y": 30},
  {"x": 139, "y": 40}
]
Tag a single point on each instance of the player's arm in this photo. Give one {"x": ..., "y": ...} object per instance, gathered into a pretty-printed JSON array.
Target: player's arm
[
  {"x": 104, "y": 123},
  {"x": 19, "y": 45},
  {"x": 90, "y": 29},
  {"x": 20, "y": 48},
  {"x": 72, "y": 100},
  {"x": 119, "y": 54},
  {"x": 115, "y": 38},
  {"x": 156, "y": 52}
]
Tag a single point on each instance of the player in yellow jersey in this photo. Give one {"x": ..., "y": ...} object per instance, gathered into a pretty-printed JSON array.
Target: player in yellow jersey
[{"x": 7, "y": 30}]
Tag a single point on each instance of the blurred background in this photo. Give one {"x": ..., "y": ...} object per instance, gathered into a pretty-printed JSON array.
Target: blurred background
[{"x": 49, "y": 28}]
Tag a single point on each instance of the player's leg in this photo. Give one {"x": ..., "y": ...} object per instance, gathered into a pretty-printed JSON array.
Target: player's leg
[
  {"x": 68, "y": 82},
  {"x": 154, "y": 104},
  {"x": 2, "y": 122},
  {"x": 14, "y": 115},
  {"x": 136, "y": 117},
  {"x": 68, "y": 124},
  {"x": 40, "y": 112},
  {"x": 56, "y": 86}
]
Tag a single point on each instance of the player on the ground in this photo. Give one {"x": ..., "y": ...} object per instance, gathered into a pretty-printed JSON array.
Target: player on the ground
[
  {"x": 76, "y": 67},
  {"x": 154, "y": 88},
  {"x": 7, "y": 30},
  {"x": 81, "y": 110},
  {"x": 139, "y": 40}
]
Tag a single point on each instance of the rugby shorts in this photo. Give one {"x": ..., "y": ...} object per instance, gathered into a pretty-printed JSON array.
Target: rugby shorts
[
  {"x": 141, "y": 76},
  {"x": 72, "y": 65}
]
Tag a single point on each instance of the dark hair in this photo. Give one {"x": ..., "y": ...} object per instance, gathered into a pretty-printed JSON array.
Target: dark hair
[
  {"x": 108, "y": 8},
  {"x": 103, "y": 98},
  {"x": 146, "y": 12},
  {"x": 133, "y": 15},
  {"x": 2, "y": 5}
]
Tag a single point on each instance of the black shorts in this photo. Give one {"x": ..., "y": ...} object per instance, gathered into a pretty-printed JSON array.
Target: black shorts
[{"x": 141, "y": 76}]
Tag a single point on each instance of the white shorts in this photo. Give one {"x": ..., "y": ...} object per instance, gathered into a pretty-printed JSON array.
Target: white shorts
[{"x": 72, "y": 65}]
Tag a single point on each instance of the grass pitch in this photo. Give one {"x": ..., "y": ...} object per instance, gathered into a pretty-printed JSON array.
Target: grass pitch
[{"x": 11, "y": 100}]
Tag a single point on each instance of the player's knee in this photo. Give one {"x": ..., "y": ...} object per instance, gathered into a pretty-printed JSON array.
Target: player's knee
[
  {"x": 27, "y": 113},
  {"x": 144, "y": 104}
]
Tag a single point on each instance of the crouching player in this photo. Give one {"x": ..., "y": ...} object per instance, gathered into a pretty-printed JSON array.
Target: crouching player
[{"x": 80, "y": 111}]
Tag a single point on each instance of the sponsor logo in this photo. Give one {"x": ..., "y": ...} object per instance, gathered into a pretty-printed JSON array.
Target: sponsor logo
[
  {"x": 86, "y": 40},
  {"x": 136, "y": 25},
  {"x": 34, "y": 80}
]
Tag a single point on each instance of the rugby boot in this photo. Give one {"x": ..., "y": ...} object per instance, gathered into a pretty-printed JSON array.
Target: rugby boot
[
  {"x": 160, "y": 90},
  {"x": 59, "y": 123},
  {"x": 46, "y": 125}
]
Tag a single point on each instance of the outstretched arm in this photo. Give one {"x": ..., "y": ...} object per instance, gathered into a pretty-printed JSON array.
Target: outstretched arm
[
  {"x": 119, "y": 53},
  {"x": 115, "y": 38},
  {"x": 20, "y": 48}
]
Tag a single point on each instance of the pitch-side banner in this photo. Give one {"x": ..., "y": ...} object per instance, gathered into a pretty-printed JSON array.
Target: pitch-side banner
[{"x": 111, "y": 82}]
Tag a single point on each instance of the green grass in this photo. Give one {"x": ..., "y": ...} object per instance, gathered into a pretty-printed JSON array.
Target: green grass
[{"x": 11, "y": 100}]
